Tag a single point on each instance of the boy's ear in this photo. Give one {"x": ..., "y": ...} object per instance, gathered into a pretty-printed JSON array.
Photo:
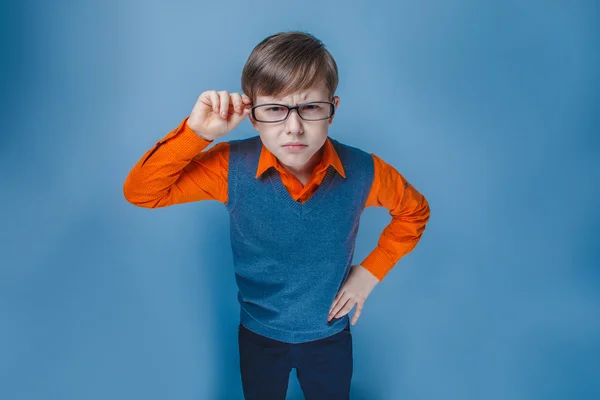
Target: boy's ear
[
  {"x": 336, "y": 102},
  {"x": 253, "y": 122}
]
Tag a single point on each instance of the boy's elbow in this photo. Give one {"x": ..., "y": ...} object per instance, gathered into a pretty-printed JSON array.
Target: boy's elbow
[
  {"x": 425, "y": 210},
  {"x": 128, "y": 193},
  {"x": 143, "y": 204},
  {"x": 138, "y": 199},
  {"x": 131, "y": 199}
]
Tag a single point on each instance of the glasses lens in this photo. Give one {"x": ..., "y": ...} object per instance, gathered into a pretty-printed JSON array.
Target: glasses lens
[
  {"x": 270, "y": 113},
  {"x": 309, "y": 111},
  {"x": 315, "y": 111}
]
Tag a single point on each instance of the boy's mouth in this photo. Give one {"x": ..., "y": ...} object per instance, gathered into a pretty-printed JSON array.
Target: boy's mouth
[{"x": 294, "y": 146}]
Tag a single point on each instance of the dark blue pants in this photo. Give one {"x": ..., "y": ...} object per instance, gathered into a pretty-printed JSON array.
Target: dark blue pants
[{"x": 323, "y": 367}]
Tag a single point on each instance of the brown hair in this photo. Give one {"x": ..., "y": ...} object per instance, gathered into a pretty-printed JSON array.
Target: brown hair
[{"x": 287, "y": 62}]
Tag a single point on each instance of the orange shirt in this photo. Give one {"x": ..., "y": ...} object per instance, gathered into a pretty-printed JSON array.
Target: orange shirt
[{"x": 177, "y": 170}]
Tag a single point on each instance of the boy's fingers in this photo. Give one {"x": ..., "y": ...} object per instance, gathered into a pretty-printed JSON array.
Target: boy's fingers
[
  {"x": 246, "y": 104},
  {"x": 224, "y": 107},
  {"x": 338, "y": 307},
  {"x": 236, "y": 101},
  {"x": 213, "y": 99},
  {"x": 357, "y": 312},
  {"x": 335, "y": 301},
  {"x": 346, "y": 309}
]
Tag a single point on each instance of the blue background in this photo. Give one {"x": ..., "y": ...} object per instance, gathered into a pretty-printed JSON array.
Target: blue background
[{"x": 490, "y": 110}]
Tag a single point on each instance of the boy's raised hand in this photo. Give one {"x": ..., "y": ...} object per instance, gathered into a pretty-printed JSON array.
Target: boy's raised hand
[{"x": 218, "y": 113}]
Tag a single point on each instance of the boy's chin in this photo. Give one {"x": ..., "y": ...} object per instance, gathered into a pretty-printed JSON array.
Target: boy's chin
[{"x": 295, "y": 160}]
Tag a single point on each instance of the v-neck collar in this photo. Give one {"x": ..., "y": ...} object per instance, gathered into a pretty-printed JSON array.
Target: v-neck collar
[{"x": 298, "y": 207}]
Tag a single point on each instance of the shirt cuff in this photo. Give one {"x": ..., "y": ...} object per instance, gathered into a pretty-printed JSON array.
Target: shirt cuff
[
  {"x": 378, "y": 263},
  {"x": 184, "y": 142}
]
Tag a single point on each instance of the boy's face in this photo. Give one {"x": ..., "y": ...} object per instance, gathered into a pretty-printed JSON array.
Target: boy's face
[{"x": 312, "y": 134}]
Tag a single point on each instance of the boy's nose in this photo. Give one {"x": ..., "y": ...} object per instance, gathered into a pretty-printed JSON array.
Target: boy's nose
[{"x": 293, "y": 123}]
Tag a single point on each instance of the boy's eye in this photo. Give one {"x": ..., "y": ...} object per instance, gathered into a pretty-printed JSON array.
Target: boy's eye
[
  {"x": 311, "y": 107},
  {"x": 274, "y": 109}
]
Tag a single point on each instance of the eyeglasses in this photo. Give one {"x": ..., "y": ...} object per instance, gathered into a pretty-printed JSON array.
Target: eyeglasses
[{"x": 313, "y": 111}]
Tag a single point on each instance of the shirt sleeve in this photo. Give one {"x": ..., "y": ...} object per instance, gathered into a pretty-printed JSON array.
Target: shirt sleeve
[
  {"x": 409, "y": 211},
  {"x": 177, "y": 170}
]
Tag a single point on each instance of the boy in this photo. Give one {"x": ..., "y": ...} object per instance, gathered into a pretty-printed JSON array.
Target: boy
[{"x": 294, "y": 197}]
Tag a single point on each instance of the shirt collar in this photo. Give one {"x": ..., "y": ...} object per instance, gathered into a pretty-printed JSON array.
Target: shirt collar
[{"x": 329, "y": 157}]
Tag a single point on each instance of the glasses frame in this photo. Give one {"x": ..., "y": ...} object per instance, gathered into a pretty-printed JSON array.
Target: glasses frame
[{"x": 290, "y": 108}]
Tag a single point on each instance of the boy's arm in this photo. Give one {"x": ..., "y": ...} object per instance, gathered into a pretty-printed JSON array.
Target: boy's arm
[
  {"x": 176, "y": 170},
  {"x": 409, "y": 210}
]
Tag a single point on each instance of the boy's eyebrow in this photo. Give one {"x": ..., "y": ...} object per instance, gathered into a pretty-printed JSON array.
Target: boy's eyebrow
[
  {"x": 273, "y": 100},
  {"x": 303, "y": 97}
]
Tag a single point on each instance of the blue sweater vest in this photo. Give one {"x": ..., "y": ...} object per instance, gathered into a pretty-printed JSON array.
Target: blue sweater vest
[{"x": 291, "y": 258}]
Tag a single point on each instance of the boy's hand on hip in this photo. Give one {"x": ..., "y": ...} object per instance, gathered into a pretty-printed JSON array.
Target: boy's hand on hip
[{"x": 355, "y": 291}]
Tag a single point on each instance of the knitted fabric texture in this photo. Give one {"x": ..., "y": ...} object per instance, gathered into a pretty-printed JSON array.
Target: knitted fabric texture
[{"x": 292, "y": 258}]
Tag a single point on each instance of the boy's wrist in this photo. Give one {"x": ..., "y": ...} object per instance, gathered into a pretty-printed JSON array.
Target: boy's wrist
[{"x": 201, "y": 136}]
